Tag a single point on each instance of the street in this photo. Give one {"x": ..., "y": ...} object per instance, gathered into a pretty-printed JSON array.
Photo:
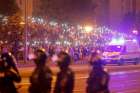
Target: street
[
  {"x": 81, "y": 32},
  {"x": 124, "y": 79}
]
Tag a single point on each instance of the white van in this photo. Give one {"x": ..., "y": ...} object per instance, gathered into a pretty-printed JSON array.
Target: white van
[{"x": 129, "y": 52}]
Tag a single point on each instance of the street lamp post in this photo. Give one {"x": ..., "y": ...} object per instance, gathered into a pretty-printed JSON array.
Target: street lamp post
[{"x": 26, "y": 33}]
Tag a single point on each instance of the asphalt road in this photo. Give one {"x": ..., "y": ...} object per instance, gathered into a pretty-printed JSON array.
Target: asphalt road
[{"x": 124, "y": 79}]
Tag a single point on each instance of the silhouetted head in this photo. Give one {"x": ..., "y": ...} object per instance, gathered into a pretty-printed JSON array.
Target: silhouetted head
[
  {"x": 94, "y": 57},
  {"x": 4, "y": 48},
  {"x": 64, "y": 60},
  {"x": 97, "y": 66},
  {"x": 41, "y": 57}
]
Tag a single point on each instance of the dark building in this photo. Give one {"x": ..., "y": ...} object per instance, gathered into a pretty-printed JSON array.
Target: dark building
[{"x": 111, "y": 12}]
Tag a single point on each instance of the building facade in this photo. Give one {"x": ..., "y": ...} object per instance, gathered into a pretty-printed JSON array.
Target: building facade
[{"x": 112, "y": 12}]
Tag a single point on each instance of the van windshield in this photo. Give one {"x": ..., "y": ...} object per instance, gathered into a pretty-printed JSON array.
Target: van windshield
[{"x": 114, "y": 48}]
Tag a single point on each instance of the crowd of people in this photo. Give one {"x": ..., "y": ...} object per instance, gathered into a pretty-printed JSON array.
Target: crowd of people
[
  {"x": 42, "y": 76},
  {"x": 77, "y": 53}
]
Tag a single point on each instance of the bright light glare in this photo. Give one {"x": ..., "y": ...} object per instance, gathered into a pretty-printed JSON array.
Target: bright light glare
[
  {"x": 22, "y": 23},
  {"x": 88, "y": 29},
  {"x": 119, "y": 41},
  {"x": 135, "y": 32},
  {"x": 134, "y": 40},
  {"x": 118, "y": 46}
]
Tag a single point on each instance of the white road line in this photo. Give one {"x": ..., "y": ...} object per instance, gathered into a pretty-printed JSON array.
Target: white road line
[
  {"x": 124, "y": 72},
  {"x": 116, "y": 73}
]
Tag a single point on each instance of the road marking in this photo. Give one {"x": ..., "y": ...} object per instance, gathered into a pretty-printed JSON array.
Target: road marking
[
  {"x": 115, "y": 73},
  {"x": 124, "y": 72}
]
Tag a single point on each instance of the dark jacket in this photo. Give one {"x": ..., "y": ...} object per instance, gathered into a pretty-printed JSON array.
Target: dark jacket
[
  {"x": 64, "y": 82},
  {"x": 41, "y": 80},
  {"x": 7, "y": 82},
  {"x": 95, "y": 83},
  {"x": 98, "y": 80}
]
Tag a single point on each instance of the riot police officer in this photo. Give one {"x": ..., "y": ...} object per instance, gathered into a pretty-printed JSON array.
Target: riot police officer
[
  {"x": 8, "y": 72},
  {"x": 41, "y": 78},
  {"x": 98, "y": 80},
  {"x": 65, "y": 78}
]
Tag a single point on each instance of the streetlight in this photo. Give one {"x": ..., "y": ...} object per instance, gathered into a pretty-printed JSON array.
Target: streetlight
[
  {"x": 88, "y": 29},
  {"x": 22, "y": 23}
]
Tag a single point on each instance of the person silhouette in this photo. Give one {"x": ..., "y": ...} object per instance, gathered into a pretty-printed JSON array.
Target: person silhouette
[
  {"x": 65, "y": 78},
  {"x": 9, "y": 73},
  {"x": 41, "y": 78},
  {"x": 98, "y": 79}
]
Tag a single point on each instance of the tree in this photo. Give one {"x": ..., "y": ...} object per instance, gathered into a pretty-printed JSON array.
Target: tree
[
  {"x": 66, "y": 10},
  {"x": 10, "y": 28},
  {"x": 10, "y": 20},
  {"x": 8, "y": 7}
]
